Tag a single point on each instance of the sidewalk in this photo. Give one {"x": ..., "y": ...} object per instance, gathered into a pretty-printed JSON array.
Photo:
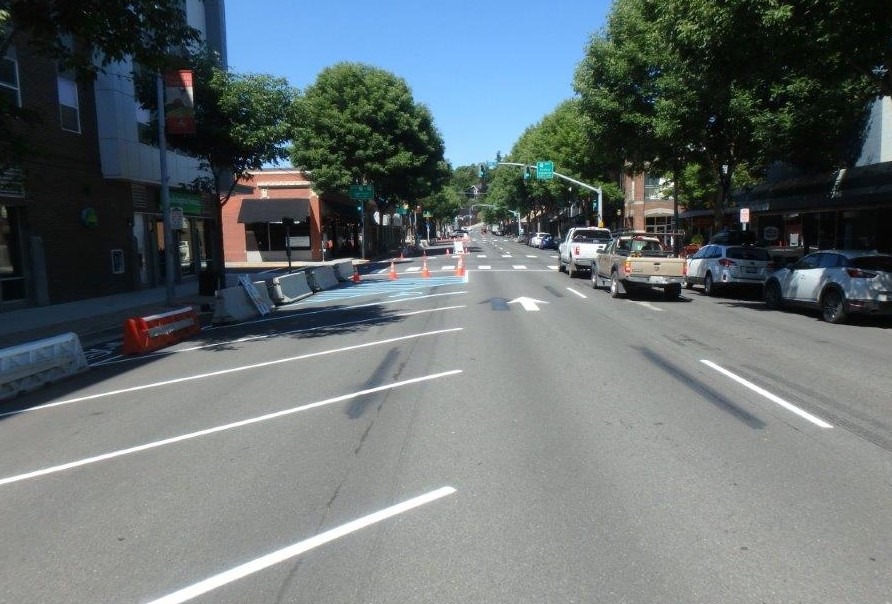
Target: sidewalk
[{"x": 96, "y": 320}]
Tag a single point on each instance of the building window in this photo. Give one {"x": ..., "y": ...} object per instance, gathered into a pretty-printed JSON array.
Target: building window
[
  {"x": 9, "y": 80},
  {"x": 652, "y": 185},
  {"x": 144, "y": 125},
  {"x": 69, "y": 109}
]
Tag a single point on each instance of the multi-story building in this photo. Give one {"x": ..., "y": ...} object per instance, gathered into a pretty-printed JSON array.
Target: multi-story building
[{"x": 81, "y": 216}]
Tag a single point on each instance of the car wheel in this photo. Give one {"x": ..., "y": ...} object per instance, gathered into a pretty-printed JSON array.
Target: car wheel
[
  {"x": 672, "y": 292},
  {"x": 560, "y": 266},
  {"x": 594, "y": 278},
  {"x": 772, "y": 295},
  {"x": 688, "y": 285},
  {"x": 571, "y": 269},
  {"x": 614, "y": 285},
  {"x": 708, "y": 285},
  {"x": 833, "y": 306}
]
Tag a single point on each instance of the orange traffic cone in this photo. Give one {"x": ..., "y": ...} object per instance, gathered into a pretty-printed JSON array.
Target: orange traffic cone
[
  {"x": 460, "y": 269},
  {"x": 392, "y": 271},
  {"x": 356, "y": 277},
  {"x": 424, "y": 270}
]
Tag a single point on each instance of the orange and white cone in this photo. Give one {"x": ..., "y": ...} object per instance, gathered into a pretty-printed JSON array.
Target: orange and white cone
[
  {"x": 356, "y": 277},
  {"x": 392, "y": 271},
  {"x": 460, "y": 269},
  {"x": 424, "y": 270}
]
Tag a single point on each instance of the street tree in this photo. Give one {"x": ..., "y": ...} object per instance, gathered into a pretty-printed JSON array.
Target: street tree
[
  {"x": 735, "y": 84},
  {"x": 358, "y": 124},
  {"x": 242, "y": 122}
]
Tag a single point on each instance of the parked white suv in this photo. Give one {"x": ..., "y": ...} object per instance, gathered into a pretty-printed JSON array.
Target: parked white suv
[
  {"x": 838, "y": 282},
  {"x": 715, "y": 266}
]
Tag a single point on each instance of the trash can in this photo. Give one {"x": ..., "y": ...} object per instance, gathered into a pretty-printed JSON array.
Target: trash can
[{"x": 207, "y": 282}]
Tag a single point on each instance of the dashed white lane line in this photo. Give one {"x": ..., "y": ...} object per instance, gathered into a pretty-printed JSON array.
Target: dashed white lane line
[
  {"x": 519, "y": 267},
  {"x": 771, "y": 397},
  {"x": 201, "y": 376},
  {"x": 484, "y": 267},
  {"x": 573, "y": 291},
  {"x": 650, "y": 306},
  {"x": 301, "y": 547},
  {"x": 231, "y": 426}
]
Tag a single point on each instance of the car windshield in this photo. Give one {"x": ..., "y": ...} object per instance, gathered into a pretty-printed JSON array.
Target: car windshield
[{"x": 748, "y": 253}]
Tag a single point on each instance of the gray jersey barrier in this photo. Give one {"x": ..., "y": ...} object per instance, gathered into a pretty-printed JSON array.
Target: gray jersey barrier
[
  {"x": 29, "y": 366},
  {"x": 344, "y": 270},
  {"x": 235, "y": 304},
  {"x": 286, "y": 289},
  {"x": 322, "y": 277}
]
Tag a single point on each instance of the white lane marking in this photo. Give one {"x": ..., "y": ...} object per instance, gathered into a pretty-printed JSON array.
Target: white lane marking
[
  {"x": 481, "y": 255},
  {"x": 301, "y": 547},
  {"x": 447, "y": 267},
  {"x": 484, "y": 267},
  {"x": 573, "y": 291},
  {"x": 201, "y": 376},
  {"x": 506, "y": 255},
  {"x": 552, "y": 267},
  {"x": 120, "y": 359},
  {"x": 519, "y": 267},
  {"x": 532, "y": 256},
  {"x": 413, "y": 269},
  {"x": 650, "y": 306},
  {"x": 771, "y": 397},
  {"x": 239, "y": 424}
]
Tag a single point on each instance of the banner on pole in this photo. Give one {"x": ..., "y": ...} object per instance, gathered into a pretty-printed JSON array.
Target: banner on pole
[{"x": 179, "y": 106}]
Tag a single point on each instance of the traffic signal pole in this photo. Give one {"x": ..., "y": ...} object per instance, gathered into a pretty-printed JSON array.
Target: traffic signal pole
[{"x": 572, "y": 180}]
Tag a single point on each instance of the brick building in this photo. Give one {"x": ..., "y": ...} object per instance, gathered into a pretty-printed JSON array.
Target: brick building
[{"x": 80, "y": 215}]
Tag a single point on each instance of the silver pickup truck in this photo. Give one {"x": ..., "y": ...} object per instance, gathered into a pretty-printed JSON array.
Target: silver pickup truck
[{"x": 580, "y": 246}]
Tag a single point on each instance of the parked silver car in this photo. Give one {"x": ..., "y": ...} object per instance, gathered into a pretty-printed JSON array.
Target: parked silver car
[
  {"x": 838, "y": 282},
  {"x": 715, "y": 266}
]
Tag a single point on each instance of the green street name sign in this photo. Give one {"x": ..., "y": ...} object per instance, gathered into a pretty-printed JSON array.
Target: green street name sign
[
  {"x": 544, "y": 170},
  {"x": 362, "y": 192}
]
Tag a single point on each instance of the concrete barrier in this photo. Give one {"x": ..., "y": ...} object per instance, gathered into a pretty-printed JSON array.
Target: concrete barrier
[
  {"x": 343, "y": 270},
  {"x": 145, "y": 334},
  {"x": 233, "y": 305},
  {"x": 322, "y": 277},
  {"x": 286, "y": 289},
  {"x": 29, "y": 366}
]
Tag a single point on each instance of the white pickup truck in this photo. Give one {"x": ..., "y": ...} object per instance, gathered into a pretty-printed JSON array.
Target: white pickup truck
[{"x": 580, "y": 247}]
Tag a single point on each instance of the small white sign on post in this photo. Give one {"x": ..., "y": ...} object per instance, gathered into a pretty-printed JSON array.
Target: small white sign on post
[{"x": 744, "y": 215}]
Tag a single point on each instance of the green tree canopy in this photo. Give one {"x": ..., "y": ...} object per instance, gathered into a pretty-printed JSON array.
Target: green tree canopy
[
  {"x": 734, "y": 84},
  {"x": 360, "y": 124}
]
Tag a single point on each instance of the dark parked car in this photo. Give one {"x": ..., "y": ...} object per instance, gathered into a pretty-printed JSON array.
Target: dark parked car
[{"x": 549, "y": 242}]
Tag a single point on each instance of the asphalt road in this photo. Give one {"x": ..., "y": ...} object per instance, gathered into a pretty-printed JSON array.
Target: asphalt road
[{"x": 511, "y": 435}]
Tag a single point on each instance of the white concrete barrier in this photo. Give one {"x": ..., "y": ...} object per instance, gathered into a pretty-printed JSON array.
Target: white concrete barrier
[
  {"x": 290, "y": 288},
  {"x": 344, "y": 270},
  {"x": 29, "y": 366},
  {"x": 322, "y": 277},
  {"x": 233, "y": 305}
]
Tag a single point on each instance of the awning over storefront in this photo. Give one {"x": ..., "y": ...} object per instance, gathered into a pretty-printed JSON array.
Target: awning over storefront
[{"x": 273, "y": 210}]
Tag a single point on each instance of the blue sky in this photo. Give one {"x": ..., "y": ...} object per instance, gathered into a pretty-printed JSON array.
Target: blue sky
[{"x": 487, "y": 70}]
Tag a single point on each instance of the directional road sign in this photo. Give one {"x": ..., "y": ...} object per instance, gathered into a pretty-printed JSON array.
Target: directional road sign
[
  {"x": 545, "y": 170},
  {"x": 362, "y": 192}
]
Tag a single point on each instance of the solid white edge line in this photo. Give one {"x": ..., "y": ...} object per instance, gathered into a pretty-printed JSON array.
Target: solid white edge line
[
  {"x": 286, "y": 553},
  {"x": 207, "y": 431},
  {"x": 573, "y": 291},
  {"x": 200, "y": 376},
  {"x": 771, "y": 397}
]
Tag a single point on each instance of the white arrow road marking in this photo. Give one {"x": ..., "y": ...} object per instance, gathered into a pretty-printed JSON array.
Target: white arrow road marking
[{"x": 528, "y": 303}]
